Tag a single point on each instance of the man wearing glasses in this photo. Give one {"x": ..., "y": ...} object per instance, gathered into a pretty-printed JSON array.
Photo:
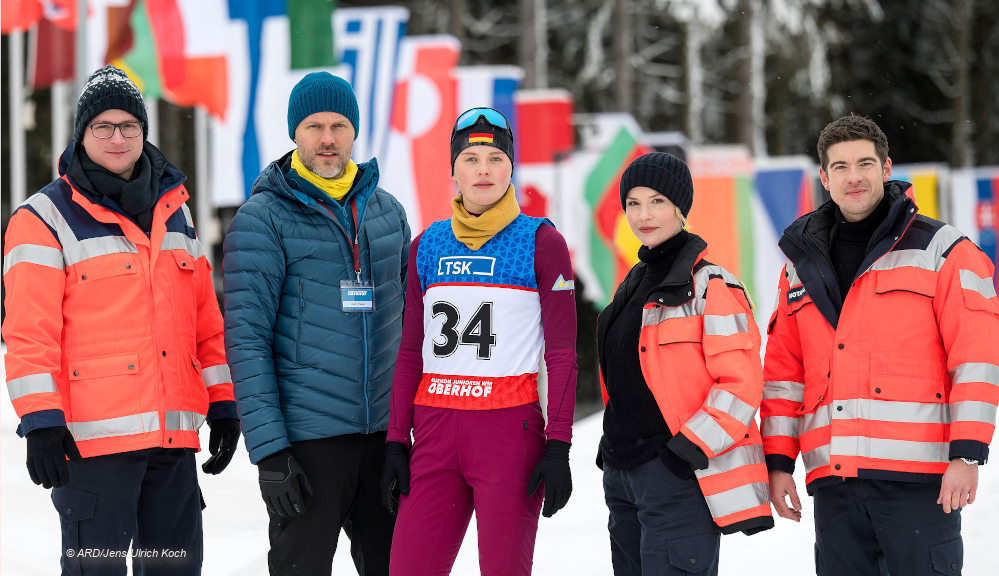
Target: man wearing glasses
[{"x": 115, "y": 351}]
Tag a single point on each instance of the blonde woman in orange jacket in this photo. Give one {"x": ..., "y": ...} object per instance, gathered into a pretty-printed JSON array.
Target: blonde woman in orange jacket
[{"x": 680, "y": 366}]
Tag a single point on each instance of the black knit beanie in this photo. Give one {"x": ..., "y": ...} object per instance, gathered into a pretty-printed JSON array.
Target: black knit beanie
[
  {"x": 109, "y": 89},
  {"x": 664, "y": 173},
  {"x": 481, "y": 133}
]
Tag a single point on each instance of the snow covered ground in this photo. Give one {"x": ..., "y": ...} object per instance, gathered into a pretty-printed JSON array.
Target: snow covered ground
[{"x": 573, "y": 542}]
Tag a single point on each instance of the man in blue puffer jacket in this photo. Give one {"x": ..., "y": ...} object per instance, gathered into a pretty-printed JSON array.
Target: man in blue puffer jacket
[{"x": 315, "y": 272}]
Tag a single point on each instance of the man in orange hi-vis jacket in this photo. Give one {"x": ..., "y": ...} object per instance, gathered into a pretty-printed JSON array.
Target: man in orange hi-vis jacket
[
  {"x": 115, "y": 355},
  {"x": 881, "y": 369}
]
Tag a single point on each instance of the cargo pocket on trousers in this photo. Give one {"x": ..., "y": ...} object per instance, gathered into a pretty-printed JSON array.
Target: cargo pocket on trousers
[
  {"x": 948, "y": 558},
  {"x": 73, "y": 505},
  {"x": 694, "y": 554}
]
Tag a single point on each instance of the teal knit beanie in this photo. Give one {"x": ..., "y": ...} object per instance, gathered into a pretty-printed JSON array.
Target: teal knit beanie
[{"x": 321, "y": 92}]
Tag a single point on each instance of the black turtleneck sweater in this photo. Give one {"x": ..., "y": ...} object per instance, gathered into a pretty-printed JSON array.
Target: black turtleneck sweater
[
  {"x": 852, "y": 243},
  {"x": 634, "y": 428}
]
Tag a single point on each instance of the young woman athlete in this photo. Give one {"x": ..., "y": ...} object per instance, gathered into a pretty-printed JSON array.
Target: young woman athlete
[{"x": 485, "y": 290}]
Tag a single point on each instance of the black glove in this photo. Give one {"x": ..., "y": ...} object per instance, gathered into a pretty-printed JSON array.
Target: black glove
[
  {"x": 395, "y": 475},
  {"x": 47, "y": 452},
  {"x": 222, "y": 444},
  {"x": 554, "y": 469},
  {"x": 676, "y": 465},
  {"x": 282, "y": 482}
]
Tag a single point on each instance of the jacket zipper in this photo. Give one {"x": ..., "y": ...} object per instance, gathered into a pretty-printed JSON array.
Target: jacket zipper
[{"x": 301, "y": 318}]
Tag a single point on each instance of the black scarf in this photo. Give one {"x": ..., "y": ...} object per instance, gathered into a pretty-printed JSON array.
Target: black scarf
[{"x": 136, "y": 196}]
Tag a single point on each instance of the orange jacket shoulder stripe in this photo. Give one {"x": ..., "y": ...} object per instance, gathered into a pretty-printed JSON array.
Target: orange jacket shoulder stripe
[
  {"x": 113, "y": 333},
  {"x": 904, "y": 378}
]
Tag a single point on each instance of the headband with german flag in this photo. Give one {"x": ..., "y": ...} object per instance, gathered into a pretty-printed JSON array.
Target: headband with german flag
[{"x": 481, "y": 133}]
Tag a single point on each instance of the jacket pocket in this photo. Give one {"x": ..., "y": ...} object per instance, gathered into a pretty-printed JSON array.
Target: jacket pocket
[
  {"x": 907, "y": 279},
  {"x": 103, "y": 387},
  {"x": 680, "y": 330},
  {"x": 907, "y": 378},
  {"x": 109, "y": 266},
  {"x": 816, "y": 384}
]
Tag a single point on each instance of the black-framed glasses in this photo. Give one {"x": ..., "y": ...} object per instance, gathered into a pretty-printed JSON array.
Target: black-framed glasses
[{"x": 105, "y": 130}]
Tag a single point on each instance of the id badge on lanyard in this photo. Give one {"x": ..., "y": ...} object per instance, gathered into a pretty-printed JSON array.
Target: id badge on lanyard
[{"x": 356, "y": 296}]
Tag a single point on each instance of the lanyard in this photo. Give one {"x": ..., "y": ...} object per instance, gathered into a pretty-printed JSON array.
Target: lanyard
[{"x": 357, "y": 231}]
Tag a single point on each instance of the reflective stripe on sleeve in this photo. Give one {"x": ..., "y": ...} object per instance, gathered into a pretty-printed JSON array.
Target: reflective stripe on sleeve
[
  {"x": 731, "y": 404},
  {"x": 972, "y": 411},
  {"x": 33, "y": 384},
  {"x": 734, "y": 458},
  {"x": 784, "y": 389},
  {"x": 725, "y": 325},
  {"x": 34, "y": 254},
  {"x": 780, "y": 426},
  {"x": 821, "y": 417},
  {"x": 816, "y": 458},
  {"x": 184, "y": 421},
  {"x": 975, "y": 372},
  {"x": 710, "y": 432},
  {"x": 984, "y": 286},
  {"x": 216, "y": 375},
  {"x": 738, "y": 499},
  {"x": 120, "y": 426}
]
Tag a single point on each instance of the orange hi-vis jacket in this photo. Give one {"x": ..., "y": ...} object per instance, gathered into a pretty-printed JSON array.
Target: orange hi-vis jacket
[
  {"x": 700, "y": 356},
  {"x": 116, "y": 335},
  {"x": 905, "y": 377}
]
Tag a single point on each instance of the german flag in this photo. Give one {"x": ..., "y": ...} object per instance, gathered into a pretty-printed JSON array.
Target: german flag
[{"x": 480, "y": 138}]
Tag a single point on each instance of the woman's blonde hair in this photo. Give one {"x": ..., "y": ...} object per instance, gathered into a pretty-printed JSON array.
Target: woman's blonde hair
[{"x": 683, "y": 219}]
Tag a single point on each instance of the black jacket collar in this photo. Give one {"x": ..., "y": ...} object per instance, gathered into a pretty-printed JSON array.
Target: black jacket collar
[
  {"x": 69, "y": 165},
  {"x": 808, "y": 240}
]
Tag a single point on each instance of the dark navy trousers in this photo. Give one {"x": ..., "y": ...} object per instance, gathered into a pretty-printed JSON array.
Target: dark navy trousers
[
  {"x": 147, "y": 498},
  {"x": 880, "y": 528},
  {"x": 659, "y": 524}
]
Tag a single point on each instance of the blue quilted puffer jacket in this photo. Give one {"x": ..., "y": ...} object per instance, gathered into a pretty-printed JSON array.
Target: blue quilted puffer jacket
[{"x": 303, "y": 368}]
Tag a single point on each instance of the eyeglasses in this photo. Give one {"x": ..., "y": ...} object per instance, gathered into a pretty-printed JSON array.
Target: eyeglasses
[
  {"x": 488, "y": 114},
  {"x": 106, "y": 130}
]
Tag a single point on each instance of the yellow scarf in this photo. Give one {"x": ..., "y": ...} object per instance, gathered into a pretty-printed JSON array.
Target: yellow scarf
[
  {"x": 336, "y": 189},
  {"x": 475, "y": 231}
]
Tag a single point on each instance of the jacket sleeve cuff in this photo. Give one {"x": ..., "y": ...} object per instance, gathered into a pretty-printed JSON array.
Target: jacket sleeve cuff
[
  {"x": 40, "y": 419},
  {"x": 779, "y": 463},
  {"x": 398, "y": 436},
  {"x": 971, "y": 449},
  {"x": 684, "y": 448},
  {"x": 222, "y": 409}
]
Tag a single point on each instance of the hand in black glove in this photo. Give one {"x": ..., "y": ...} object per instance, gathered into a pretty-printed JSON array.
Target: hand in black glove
[
  {"x": 47, "y": 452},
  {"x": 282, "y": 482},
  {"x": 222, "y": 444},
  {"x": 554, "y": 469},
  {"x": 395, "y": 475}
]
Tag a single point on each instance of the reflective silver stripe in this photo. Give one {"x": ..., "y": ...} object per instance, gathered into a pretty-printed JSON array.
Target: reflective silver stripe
[
  {"x": 725, "y": 325},
  {"x": 890, "y": 411},
  {"x": 972, "y": 411},
  {"x": 821, "y": 417},
  {"x": 816, "y": 458},
  {"x": 732, "y": 405},
  {"x": 971, "y": 281},
  {"x": 654, "y": 316},
  {"x": 704, "y": 274},
  {"x": 121, "y": 426},
  {"x": 887, "y": 449},
  {"x": 216, "y": 375},
  {"x": 975, "y": 372},
  {"x": 710, "y": 432},
  {"x": 738, "y": 499},
  {"x": 77, "y": 252},
  {"x": 32, "y": 384},
  {"x": 784, "y": 389},
  {"x": 734, "y": 458},
  {"x": 792, "y": 275},
  {"x": 179, "y": 241},
  {"x": 780, "y": 426},
  {"x": 33, "y": 254},
  {"x": 184, "y": 421},
  {"x": 929, "y": 259},
  {"x": 187, "y": 215}
]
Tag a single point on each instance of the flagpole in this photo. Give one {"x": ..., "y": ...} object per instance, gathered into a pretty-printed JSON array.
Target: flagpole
[
  {"x": 203, "y": 201},
  {"x": 153, "y": 113},
  {"x": 80, "y": 50},
  {"x": 18, "y": 165},
  {"x": 60, "y": 123}
]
